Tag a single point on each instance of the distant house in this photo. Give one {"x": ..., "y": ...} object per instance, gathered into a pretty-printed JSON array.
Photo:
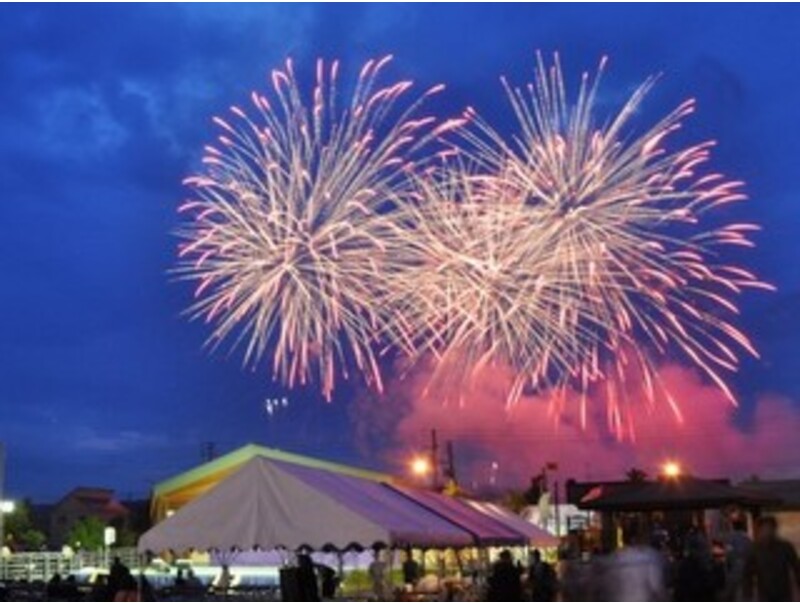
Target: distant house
[
  {"x": 787, "y": 512},
  {"x": 82, "y": 503},
  {"x": 677, "y": 504}
]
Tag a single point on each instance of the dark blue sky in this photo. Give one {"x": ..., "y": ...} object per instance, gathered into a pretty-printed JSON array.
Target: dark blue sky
[{"x": 105, "y": 109}]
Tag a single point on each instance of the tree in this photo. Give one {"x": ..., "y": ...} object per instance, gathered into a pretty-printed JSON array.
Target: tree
[
  {"x": 537, "y": 489},
  {"x": 127, "y": 538},
  {"x": 637, "y": 476},
  {"x": 20, "y": 531},
  {"x": 88, "y": 534},
  {"x": 515, "y": 500},
  {"x": 519, "y": 500}
]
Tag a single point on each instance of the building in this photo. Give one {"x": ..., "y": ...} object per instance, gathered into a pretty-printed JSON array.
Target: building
[
  {"x": 672, "y": 506},
  {"x": 82, "y": 503},
  {"x": 787, "y": 510}
]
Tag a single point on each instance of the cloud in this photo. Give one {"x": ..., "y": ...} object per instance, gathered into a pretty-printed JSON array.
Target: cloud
[
  {"x": 88, "y": 440},
  {"x": 709, "y": 440},
  {"x": 78, "y": 123}
]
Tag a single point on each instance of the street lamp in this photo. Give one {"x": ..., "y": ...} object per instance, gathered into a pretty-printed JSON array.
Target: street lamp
[
  {"x": 671, "y": 470},
  {"x": 7, "y": 507},
  {"x": 420, "y": 467}
]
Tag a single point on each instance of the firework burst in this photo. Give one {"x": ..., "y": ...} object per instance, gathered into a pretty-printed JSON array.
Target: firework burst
[
  {"x": 288, "y": 241},
  {"x": 475, "y": 289},
  {"x": 577, "y": 253},
  {"x": 618, "y": 242}
]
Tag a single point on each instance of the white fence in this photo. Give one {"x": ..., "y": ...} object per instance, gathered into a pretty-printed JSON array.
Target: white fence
[{"x": 42, "y": 566}]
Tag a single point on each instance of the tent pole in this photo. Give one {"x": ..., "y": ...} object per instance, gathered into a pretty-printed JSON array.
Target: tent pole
[
  {"x": 340, "y": 561},
  {"x": 140, "y": 581},
  {"x": 390, "y": 577}
]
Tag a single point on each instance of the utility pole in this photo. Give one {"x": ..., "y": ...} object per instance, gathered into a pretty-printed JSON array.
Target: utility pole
[
  {"x": 451, "y": 463},
  {"x": 435, "y": 458},
  {"x": 557, "y": 504}
]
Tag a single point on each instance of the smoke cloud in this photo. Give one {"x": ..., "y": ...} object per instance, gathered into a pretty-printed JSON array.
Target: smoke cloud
[{"x": 507, "y": 446}]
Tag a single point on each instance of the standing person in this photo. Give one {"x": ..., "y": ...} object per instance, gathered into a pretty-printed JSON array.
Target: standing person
[
  {"x": 225, "y": 581},
  {"x": 328, "y": 580},
  {"x": 71, "y": 592},
  {"x": 100, "y": 590},
  {"x": 128, "y": 589},
  {"x": 118, "y": 578},
  {"x": 180, "y": 581},
  {"x": 771, "y": 566},
  {"x": 54, "y": 590},
  {"x": 542, "y": 578},
  {"x": 634, "y": 572},
  {"x": 146, "y": 591},
  {"x": 411, "y": 570},
  {"x": 695, "y": 576},
  {"x": 194, "y": 586},
  {"x": 505, "y": 583},
  {"x": 737, "y": 551},
  {"x": 576, "y": 571},
  {"x": 377, "y": 574},
  {"x": 307, "y": 585}
]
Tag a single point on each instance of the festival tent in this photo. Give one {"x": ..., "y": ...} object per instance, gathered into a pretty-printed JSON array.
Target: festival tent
[
  {"x": 269, "y": 504},
  {"x": 171, "y": 495},
  {"x": 281, "y": 501},
  {"x": 485, "y": 529},
  {"x": 534, "y": 535}
]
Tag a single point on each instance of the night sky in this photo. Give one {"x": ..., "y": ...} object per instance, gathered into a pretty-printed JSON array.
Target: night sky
[{"x": 106, "y": 109}]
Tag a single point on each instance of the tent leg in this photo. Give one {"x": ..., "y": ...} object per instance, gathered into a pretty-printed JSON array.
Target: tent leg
[
  {"x": 340, "y": 569},
  {"x": 140, "y": 581},
  {"x": 390, "y": 576}
]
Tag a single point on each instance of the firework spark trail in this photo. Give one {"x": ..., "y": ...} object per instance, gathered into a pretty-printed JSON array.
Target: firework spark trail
[
  {"x": 288, "y": 241},
  {"x": 618, "y": 223},
  {"x": 574, "y": 253},
  {"x": 470, "y": 291}
]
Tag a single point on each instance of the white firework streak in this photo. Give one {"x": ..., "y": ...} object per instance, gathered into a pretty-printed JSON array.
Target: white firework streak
[
  {"x": 605, "y": 264},
  {"x": 576, "y": 253},
  {"x": 288, "y": 240},
  {"x": 476, "y": 289}
]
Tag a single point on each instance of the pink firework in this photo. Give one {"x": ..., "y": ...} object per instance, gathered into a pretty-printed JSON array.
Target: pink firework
[
  {"x": 603, "y": 257},
  {"x": 288, "y": 241}
]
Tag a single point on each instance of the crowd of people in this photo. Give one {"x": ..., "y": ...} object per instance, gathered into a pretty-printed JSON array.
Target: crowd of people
[
  {"x": 764, "y": 569},
  {"x": 309, "y": 581},
  {"x": 119, "y": 585},
  {"x": 510, "y": 581}
]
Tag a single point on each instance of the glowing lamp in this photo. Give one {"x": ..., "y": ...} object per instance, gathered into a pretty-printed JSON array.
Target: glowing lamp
[
  {"x": 671, "y": 470},
  {"x": 420, "y": 466}
]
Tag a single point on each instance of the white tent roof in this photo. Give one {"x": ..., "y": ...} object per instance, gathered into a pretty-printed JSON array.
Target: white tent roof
[
  {"x": 269, "y": 505},
  {"x": 535, "y": 535}
]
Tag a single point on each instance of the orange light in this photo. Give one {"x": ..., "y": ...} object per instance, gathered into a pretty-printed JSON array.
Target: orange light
[
  {"x": 671, "y": 469},
  {"x": 420, "y": 466}
]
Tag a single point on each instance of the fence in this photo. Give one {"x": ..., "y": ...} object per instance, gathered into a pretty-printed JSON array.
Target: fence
[{"x": 43, "y": 565}]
